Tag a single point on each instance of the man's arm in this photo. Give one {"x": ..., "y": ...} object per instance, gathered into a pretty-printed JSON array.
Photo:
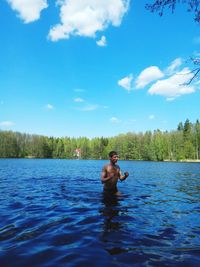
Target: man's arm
[
  {"x": 104, "y": 175},
  {"x": 123, "y": 177}
]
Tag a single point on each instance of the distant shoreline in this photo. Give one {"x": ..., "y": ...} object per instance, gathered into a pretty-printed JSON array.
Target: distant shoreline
[
  {"x": 185, "y": 160},
  {"x": 166, "y": 160}
]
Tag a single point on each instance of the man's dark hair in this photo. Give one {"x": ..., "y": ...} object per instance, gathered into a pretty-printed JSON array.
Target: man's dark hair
[{"x": 112, "y": 153}]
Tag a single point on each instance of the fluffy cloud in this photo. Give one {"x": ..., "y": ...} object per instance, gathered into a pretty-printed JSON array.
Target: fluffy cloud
[
  {"x": 88, "y": 107},
  {"x": 147, "y": 76},
  {"x": 174, "y": 86},
  {"x": 49, "y": 106},
  {"x": 170, "y": 83},
  {"x": 85, "y": 18},
  {"x": 78, "y": 99},
  {"x": 174, "y": 66},
  {"x": 151, "y": 117},
  {"x": 7, "y": 123},
  {"x": 102, "y": 41},
  {"x": 126, "y": 82},
  {"x": 28, "y": 10}
]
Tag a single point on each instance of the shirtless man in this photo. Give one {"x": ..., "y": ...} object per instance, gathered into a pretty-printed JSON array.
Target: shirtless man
[{"x": 111, "y": 173}]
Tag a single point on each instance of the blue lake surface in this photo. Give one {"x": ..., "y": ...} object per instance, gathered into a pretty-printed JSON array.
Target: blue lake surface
[{"x": 53, "y": 213}]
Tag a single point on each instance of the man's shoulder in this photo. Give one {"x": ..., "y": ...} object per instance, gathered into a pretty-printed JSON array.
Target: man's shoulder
[{"x": 106, "y": 165}]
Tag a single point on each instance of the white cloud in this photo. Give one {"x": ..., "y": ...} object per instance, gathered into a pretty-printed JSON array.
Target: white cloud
[
  {"x": 49, "y": 106},
  {"x": 28, "y": 10},
  {"x": 126, "y": 82},
  {"x": 170, "y": 99},
  {"x": 102, "y": 41},
  {"x": 174, "y": 86},
  {"x": 174, "y": 66},
  {"x": 114, "y": 120},
  {"x": 78, "y": 99},
  {"x": 7, "y": 123},
  {"x": 89, "y": 107},
  {"x": 151, "y": 117},
  {"x": 86, "y": 17},
  {"x": 148, "y": 75}
]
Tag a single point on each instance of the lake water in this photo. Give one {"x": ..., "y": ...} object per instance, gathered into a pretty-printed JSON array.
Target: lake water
[{"x": 53, "y": 213}]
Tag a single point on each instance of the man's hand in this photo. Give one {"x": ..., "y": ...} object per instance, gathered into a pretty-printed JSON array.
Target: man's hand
[{"x": 126, "y": 174}]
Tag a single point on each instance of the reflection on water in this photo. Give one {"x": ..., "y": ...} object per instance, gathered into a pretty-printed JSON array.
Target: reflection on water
[
  {"x": 110, "y": 213},
  {"x": 53, "y": 213},
  {"x": 113, "y": 227}
]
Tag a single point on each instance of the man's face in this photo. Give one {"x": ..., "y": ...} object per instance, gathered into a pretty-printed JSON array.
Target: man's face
[{"x": 114, "y": 158}]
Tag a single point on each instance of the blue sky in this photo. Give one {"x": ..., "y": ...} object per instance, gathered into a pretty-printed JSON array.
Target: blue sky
[{"x": 95, "y": 68}]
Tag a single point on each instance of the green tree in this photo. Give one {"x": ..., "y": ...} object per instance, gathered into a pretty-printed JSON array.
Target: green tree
[
  {"x": 158, "y": 145},
  {"x": 197, "y": 139},
  {"x": 180, "y": 127},
  {"x": 147, "y": 150},
  {"x": 8, "y": 145},
  {"x": 176, "y": 151},
  {"x": 183, "y": 143},
  {"x": 189, "y": 150},
  {"x": 187, "y": 130}
]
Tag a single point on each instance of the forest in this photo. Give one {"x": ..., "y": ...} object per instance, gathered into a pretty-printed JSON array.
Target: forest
[{"x": 176, "y": 145}]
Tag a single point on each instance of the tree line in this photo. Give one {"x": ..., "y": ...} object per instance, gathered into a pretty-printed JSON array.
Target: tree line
[{"x": 180, "y": 144}]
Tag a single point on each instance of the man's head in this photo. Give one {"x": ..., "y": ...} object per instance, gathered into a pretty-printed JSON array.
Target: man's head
[
  {"x": 112, "y": 153},
  {"x": 113, "y": 156}
]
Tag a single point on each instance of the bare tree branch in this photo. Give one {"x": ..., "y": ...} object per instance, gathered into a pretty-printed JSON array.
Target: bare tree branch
[
  {"x": 160, "y": 6},
  {"x": 193, "y": 6}
]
